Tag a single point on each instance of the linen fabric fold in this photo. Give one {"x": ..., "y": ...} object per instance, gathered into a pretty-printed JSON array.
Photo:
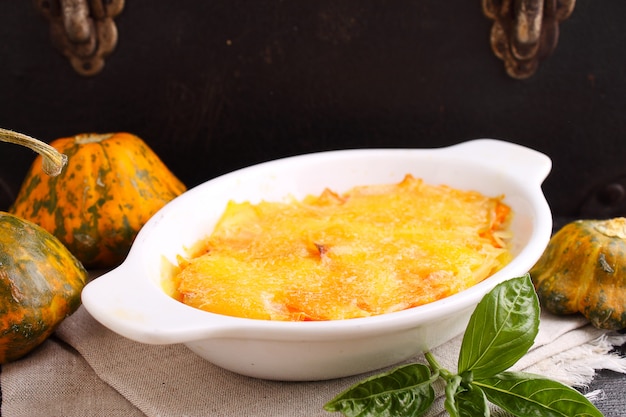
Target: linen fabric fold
[{"x": 87, "y": 370}]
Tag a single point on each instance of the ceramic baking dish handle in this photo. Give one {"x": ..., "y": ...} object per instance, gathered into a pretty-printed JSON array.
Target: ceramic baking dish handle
[
  {"x": 527, "y": 164},
  {"x": 139, "y": 310}
]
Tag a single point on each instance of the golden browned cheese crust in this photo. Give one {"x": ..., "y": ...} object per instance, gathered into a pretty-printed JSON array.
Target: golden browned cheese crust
[{"x": 373, "y": 250}]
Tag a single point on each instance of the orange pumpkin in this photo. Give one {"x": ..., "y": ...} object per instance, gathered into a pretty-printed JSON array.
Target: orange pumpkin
[{"x": 113, "y": 183}]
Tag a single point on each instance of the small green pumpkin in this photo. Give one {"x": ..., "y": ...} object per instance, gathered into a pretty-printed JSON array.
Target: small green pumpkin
[
  {"x": 40, "y": 280},
  {"x": 40, "y": 285},
  {"x": 112, "y": 184},
  {"x": 583, "y": 270}
]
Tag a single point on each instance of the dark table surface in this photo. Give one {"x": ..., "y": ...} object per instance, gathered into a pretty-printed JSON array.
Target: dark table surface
[{"x": 612, "y": 402}]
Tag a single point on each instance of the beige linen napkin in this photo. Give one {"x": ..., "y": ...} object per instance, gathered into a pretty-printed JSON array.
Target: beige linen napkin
[{"x": 86, "y": 370}]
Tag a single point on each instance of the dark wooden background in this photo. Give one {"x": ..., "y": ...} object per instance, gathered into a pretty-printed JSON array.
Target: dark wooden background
[{"x": 214, "y": 86}]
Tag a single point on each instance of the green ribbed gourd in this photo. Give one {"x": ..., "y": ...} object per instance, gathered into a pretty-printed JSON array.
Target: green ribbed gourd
[{"x": 583, "y": 270}]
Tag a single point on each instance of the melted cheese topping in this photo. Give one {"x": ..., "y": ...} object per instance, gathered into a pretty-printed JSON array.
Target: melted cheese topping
[{"x": 373, "y": 250}]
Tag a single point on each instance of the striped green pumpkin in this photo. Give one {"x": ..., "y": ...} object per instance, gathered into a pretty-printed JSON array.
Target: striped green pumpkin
[
  {"x": 112, "y": 184},
  {"x": 583, "y": 270},
  {"x": 40, "y": 285}
]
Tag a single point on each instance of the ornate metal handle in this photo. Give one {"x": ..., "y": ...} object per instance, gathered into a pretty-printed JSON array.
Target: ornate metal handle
[
  {"x": 525, "y": 32},
  {"x": 83, "y": 30}
]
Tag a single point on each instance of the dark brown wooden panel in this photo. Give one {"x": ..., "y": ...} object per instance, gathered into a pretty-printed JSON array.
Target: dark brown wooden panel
[{"x": 214, "y": 86}]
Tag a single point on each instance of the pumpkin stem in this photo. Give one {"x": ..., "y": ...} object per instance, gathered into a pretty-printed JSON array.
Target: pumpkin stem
[
  {"x": 92, "y": 137},
  {"x": 53, "y": 160}
]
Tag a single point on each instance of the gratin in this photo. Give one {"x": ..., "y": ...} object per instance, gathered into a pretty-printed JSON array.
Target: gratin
[{"x": 373, "y": 250}]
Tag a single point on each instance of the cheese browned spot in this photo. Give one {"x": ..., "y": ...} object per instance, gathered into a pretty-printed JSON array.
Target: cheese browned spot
[{"x": 373, "y": 250}]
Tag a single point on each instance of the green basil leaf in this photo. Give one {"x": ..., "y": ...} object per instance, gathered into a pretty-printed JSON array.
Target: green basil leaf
[
  {"x": 472, "y": 402},
  {"x": 501, "y": 329},
  {"x": 528, "y": 395},
  {"x": 465, "y": 399},
  {"x": 404, "y": 391},
  {"x": 452, "y": 388}
]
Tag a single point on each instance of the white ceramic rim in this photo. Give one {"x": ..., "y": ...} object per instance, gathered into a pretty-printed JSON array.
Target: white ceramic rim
[{"x": 117, "y": 298}]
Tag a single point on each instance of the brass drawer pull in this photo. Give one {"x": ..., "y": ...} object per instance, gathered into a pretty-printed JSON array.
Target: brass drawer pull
[
  {"x": 82, "y": 30},
  {"x": 524, "y": 32}
]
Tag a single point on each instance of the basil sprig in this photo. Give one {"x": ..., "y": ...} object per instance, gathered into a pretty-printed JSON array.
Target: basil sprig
[{"x": 501, "y": 330}]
